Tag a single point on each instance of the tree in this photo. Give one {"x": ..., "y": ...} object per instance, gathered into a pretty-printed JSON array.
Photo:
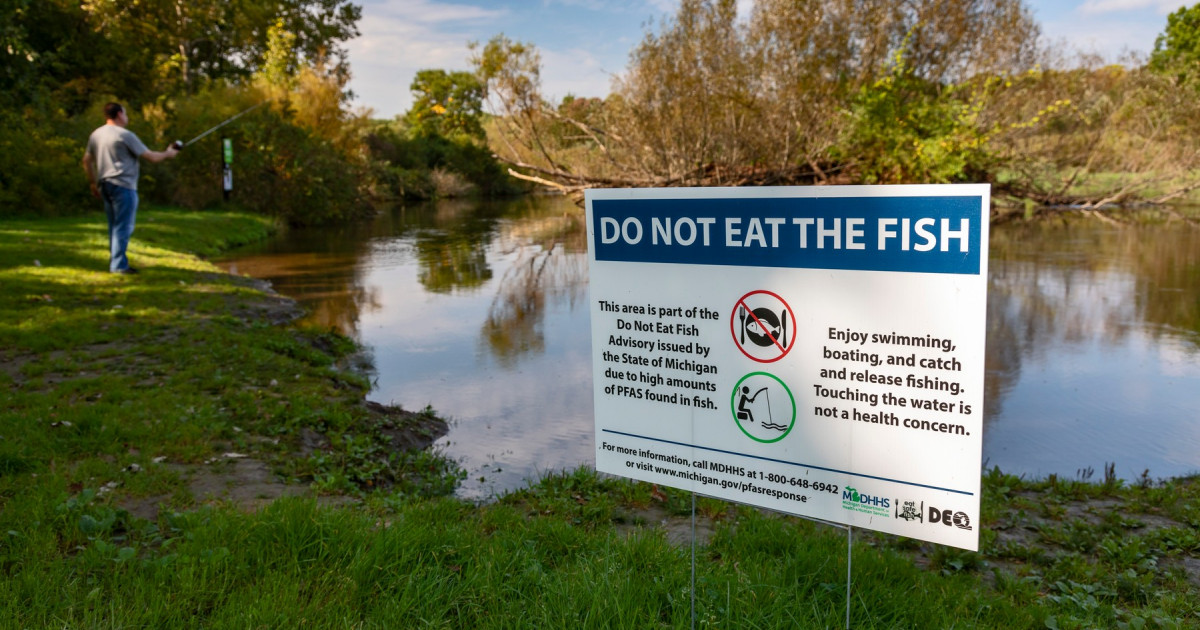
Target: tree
[
  {"x": 1177, "y": 49},
  {"x": 52, "y": 56},
  {"x": 193, "y": 40},
  {"x": 714, "y": 97},
  {"x": 447, "y": 104}
]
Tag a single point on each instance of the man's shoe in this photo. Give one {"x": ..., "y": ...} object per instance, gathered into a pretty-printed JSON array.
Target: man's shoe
[{"x": 126, "y": 271}]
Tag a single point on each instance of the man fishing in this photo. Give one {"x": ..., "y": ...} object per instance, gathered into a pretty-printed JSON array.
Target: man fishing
[{"x": 111, "y": 164}]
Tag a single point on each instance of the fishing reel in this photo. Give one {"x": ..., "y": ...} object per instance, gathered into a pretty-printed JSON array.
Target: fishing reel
[{"x": 178, "y": 144}]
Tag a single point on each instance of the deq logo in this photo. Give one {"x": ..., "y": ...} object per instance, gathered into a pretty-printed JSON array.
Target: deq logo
[{"x": 945, "y": 517}]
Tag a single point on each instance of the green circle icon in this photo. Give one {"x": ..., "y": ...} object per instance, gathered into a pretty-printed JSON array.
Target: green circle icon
[{"x": 763, "y": 407}]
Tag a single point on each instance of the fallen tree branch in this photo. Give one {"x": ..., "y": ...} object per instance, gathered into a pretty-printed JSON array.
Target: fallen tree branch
[
  {"x": 707, "y": 175},
  {"x": 538, "y": 180}
]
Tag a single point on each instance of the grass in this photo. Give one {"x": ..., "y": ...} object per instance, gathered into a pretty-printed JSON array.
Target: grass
[
  {"x": 118, "y": 392},
  {"x": 103, "y": 371}
]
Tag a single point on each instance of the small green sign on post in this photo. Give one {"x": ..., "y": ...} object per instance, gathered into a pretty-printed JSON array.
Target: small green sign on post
[{"x": 227, "y": 171}]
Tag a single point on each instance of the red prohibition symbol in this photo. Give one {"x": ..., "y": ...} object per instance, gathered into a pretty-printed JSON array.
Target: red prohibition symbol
[{"x": 763, "y": 326}]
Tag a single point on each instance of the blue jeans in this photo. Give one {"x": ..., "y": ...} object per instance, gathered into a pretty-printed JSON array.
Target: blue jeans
[{"x": 120, "y": 208}]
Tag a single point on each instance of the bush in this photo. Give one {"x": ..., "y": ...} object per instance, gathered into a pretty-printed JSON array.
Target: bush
[
  {"x": 40, "y": 171},
  {"x": 904, "y": 129},
  {"x": 279, "y": 167},
  {"x": 409, "y": 161}
]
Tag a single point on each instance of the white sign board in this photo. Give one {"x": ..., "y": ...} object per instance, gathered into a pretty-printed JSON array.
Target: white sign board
[{"x": 817, "y": 351}]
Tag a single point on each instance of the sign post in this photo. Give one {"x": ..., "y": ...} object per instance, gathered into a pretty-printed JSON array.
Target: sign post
[{"x": 817, "y": 351}]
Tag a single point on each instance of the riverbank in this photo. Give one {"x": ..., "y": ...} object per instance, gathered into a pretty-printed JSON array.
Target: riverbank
[
  {"x": 182, "y": 365},
  {"x": 173, "y": 457}
]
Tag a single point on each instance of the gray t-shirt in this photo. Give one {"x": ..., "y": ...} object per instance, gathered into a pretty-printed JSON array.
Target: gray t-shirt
[{"x": 116, "y": 151}]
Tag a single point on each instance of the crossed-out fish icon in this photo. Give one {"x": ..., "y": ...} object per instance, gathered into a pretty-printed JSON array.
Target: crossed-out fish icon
[{"x": 764, "y": 327}]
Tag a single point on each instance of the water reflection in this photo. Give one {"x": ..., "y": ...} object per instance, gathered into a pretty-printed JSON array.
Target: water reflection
[
  {"x": 551, "y": 256},
  {"x": 320, "y": 269},
  {"x": 476, "y": 309},
  {"x": 1094, "y": 349},
  {"x": 479, "y": 309}
]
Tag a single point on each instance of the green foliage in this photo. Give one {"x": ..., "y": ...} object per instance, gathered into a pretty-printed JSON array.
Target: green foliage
[
  {"x": 904, "y": 129},
  {"x": 780, "y": 94},
  {"x": 40, "y": 172},
  {"x": 407, "y": 161},
  {"x": 436, "y": 150},
  {"x": 183, "y": 46},
  {"x": 52, "y": 57},
  {"x": 281, "y": 60},
  {"x": 59, "y": 53},
  {"x": 1177, "y": 49},
  {"x": 511, "y": 71},
  {"x": 299, "y": 158},
  {"x": 172, "y": 64},
  {"x": 446, "y": 104},
  {"x": 577, "y": 120},
  {"x": 281, "y": 168}
]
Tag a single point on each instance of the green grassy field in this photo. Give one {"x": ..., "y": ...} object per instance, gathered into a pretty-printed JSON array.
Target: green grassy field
[{"x": 169, "y": 458}]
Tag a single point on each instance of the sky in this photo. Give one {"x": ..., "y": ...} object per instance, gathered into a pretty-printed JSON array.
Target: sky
[{"x": 585, "y": 43}]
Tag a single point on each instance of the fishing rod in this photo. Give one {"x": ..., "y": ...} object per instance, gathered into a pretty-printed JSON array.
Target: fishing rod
[{"x": 179, "y": 144}]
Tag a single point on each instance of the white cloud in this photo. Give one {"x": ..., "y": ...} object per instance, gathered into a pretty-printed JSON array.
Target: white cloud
[
  {"x": 429, "y": 12},
  {"x": 576, "y": 72},
  {"x": 1094, "y": 7},
  {"x": 1112, "y": 41},
  {"x": 401, "y": 37}
]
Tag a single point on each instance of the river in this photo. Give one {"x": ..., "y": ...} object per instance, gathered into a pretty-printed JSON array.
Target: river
[{"x": 479, "y": 309}]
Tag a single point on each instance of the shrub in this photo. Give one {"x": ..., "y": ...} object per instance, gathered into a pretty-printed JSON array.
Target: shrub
[
  {"x": 280, "y": 168},
  {"x": 410, "y": 159},
  {"x": 40, "y": 172}
]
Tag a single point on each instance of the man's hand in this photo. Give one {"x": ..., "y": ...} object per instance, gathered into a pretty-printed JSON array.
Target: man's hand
[{"x": 158, "y": 156}]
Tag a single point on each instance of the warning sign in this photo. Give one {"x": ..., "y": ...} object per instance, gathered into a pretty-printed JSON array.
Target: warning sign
[{"x": 818, "y": 351}]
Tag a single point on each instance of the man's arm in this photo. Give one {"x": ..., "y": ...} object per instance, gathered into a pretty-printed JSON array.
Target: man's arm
[
  {"x": 89, "y": 167},
  {"x": 158, "y": 156}
]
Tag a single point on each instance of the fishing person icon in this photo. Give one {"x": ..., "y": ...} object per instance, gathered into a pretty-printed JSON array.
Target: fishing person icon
[
  {"x": 763, "y": 326},
  {"x": 744, "y": 412},
  {"x": 763, "y": 407}
]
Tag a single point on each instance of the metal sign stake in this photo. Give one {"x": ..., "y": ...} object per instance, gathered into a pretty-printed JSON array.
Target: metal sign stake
[{"x": 849, "y": 565}]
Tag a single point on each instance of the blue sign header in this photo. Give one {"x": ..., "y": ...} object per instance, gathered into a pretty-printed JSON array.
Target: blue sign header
[{"x": 931, "y": 234}]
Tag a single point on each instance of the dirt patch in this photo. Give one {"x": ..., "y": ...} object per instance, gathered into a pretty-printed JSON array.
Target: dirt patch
[
  {"x": 11, "y": 364},
  {"x": 244, "y": 482},
  {"x": 90, "y": 360},
  {"x": 312, "y": 442},
  {"x": 406, "y": 430},
  {"x": 265, "y": 306},
  {"x": 1091, "y": 512},
  {"x": 678, "y": 529},
  {"x": 1191, "y": 566},
  {"x": 249, "y": 483}
]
